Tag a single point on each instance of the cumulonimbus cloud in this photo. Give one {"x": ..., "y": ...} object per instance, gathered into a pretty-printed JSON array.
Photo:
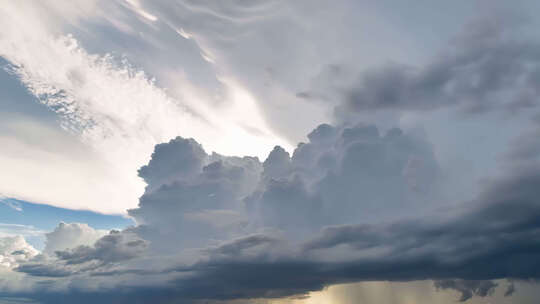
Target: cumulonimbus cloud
[
  {"x": 218, "y": 227},
  {"x": 353, "y": 203}
]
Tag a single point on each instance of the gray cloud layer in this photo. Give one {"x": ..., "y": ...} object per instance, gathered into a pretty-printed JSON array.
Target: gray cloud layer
[
  {"x": 468, "y": 288},
  {"x": 491, "y": 65}
]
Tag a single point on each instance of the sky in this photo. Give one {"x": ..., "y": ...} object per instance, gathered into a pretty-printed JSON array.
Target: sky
[{"x": 273, "y": 151}]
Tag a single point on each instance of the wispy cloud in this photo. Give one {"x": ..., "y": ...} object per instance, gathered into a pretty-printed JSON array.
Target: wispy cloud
[
  {"x": 116, "y": 110},
  {"x": 13, "y": 204},
  {"x": 17, "y": 229}
]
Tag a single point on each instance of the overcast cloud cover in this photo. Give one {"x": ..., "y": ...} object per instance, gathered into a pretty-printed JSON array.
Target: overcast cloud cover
[{"x": 272, "y": 151}]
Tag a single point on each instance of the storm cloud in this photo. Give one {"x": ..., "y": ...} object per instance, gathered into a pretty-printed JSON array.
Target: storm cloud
[
  {"x": 219, "y": 227},
  {"x": 367, "y": 197}
]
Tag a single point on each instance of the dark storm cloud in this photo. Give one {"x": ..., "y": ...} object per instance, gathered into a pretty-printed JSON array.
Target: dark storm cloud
[
  {"x": 497, "y": 239},
  {"x": 117, "y": 246},
  {"x": 236, "y": 247},
  {"x": 45, "y": 270},
  {"x": 491, "y": 65},
  {"x": 510, "y": 290},
  {"x": 467, "y": 288},
  {"x": 114, "y": 247}
]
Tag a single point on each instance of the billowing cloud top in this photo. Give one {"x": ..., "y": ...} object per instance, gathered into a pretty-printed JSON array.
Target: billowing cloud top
[{"x": 221, "y": 227}]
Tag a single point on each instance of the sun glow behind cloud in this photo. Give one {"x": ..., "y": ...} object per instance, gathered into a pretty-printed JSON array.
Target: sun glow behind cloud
[
  {"x": 137, "y": 8},
  {"x": 117, "y": 114}
]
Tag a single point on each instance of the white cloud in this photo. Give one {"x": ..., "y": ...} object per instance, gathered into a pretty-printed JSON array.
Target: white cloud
[
  {"x": 116, "y": 112},
  {"x": 274, "y": 48},
  {"x": 135, "y": 5},
  {"x": 345, "y": 174},
  {"x": 10, "y": 203},
  {"x": 17, "y": 229},
  {"x": 14, "y": 250},
  {"x": 71, "y": 235}
]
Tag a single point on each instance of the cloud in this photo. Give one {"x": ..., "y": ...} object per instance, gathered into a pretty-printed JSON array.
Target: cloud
[
  {"x": 207, "y": 192},
  {"x": 188, "y": 188},
  {"x": 171, "y": 161},
  {"x": 113, "y": 112},
  {"x": 14, "y": 250},
  {"x": 16, "y": 229},
  {"x": 468, "y": 288},
  {"x": 353, "y": 203},
  {"x": 10, "y": 203},
  {"x": 345, "y": 174},
  {"x": 65, "y": 256},
  {"x": 221, "y": 227},
  {"x": 71, "y": 235},
  {"x": 114, "y": 247},
  {"x": 18, "y": 301},
  {"x": 49, "y": 270},
  {"x": 510, "y": 289},
  {"x": 499, "y": 228},
  {"x": 188, "y": 95},
  {"x": 491, "y": 65}
]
